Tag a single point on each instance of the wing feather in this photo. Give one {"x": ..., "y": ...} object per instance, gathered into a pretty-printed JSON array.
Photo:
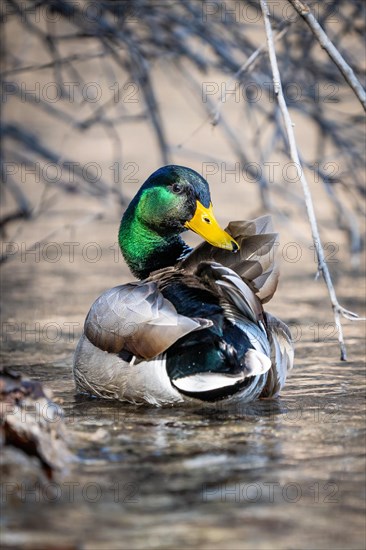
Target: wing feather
[
  {"x": 282, "y": 355},
  {"x": 255, "y": 261},
  {"x": 233, "y": 289},
  {"x": 137, "y": 318}
]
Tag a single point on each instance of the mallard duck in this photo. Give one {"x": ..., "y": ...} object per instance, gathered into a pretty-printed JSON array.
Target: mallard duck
[{"x": 192, "y": 329}]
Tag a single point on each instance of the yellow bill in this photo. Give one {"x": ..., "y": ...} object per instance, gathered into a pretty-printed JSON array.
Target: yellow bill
[{"x": 204, "y": 224}]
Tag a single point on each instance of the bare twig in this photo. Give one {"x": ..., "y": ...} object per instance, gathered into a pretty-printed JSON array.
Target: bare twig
[
  {"x": 235, "y": 145},
  {"x": 322, "y": 265},
  {"x": 67, "y": 226},
  {"x": 249, "y": 63},
  {"x": 50, "y": 64},
  {"x": 12, "y": 216},
  {"x": 323, "y": 39}
]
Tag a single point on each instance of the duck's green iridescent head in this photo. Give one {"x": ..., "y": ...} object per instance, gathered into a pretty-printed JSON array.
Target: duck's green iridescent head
[{"x": 172, "y": 200}]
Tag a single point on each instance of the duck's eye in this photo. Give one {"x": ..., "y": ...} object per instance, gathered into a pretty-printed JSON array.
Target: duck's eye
[{"x": 177, "y": 188}]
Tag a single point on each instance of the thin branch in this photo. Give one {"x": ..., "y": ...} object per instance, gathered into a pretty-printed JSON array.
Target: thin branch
[
  {"x": 49, "y": 65},
  {"x": 249, "y": 63},
  {"x": 304, "y": 11},
  {"x": 235, "y": 145},
  {"x": 67, "y": 226},
  {"x": 12, "y": 216},
  {"x": 322, "y": 265}
]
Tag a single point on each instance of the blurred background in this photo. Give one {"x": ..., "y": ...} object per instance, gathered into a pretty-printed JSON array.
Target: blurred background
[{"x": 95, "y": 97}]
